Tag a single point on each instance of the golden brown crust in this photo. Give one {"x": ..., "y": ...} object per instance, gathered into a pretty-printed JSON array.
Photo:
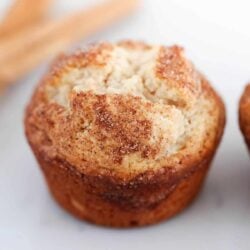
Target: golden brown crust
[
  {"x": 244, "y": 114},
  {"x": 110, "y": 148},
  {"x": 101, "y": 200}
]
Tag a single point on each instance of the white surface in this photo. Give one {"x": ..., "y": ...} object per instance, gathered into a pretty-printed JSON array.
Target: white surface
[{"x": 217, "y": 38}]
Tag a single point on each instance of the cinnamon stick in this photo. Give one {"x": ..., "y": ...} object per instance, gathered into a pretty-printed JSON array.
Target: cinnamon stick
[
  {"x": 22, "y": 54},
  {"x": 23, "y": 13}
]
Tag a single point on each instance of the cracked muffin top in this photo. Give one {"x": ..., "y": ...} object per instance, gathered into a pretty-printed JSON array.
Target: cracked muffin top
[{"x": 125, "y": 108}]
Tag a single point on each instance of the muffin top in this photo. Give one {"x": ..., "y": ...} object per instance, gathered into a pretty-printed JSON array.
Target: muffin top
[{"x": 125, "y": 108}]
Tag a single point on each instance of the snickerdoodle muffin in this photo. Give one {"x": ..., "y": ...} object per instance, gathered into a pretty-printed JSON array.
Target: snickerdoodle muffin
[
  {"x": 244, "y": 115},
  {"x": 124, "y": 133}
]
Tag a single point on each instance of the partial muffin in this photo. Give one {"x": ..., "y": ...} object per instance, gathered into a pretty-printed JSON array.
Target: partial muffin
[
  {"x": 244, "y": 115},
  {"x": 124, "y": 133}
]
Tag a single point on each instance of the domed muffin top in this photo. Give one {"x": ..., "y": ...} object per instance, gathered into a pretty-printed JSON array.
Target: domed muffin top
[{"x": 126, "y": 108}]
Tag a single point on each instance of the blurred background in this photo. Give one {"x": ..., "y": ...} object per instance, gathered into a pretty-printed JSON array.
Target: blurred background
[{"x": 216, "y": 37}]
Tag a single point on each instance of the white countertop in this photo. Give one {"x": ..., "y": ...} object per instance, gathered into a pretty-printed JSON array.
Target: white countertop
[{"x": 216, "y": 36}]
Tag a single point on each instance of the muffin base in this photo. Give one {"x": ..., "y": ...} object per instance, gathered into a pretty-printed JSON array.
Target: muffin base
[{"x": 71, "y": 193}]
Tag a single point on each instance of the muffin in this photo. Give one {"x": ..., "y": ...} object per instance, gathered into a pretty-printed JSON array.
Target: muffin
[
  {"x": 124, "y": 133},
  {"x": 244, "y": 115}
]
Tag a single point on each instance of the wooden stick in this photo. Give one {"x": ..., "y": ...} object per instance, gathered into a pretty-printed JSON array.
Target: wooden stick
[
  {"x": 23, "y": 13},
  {"x": 23, "y": 53}
]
